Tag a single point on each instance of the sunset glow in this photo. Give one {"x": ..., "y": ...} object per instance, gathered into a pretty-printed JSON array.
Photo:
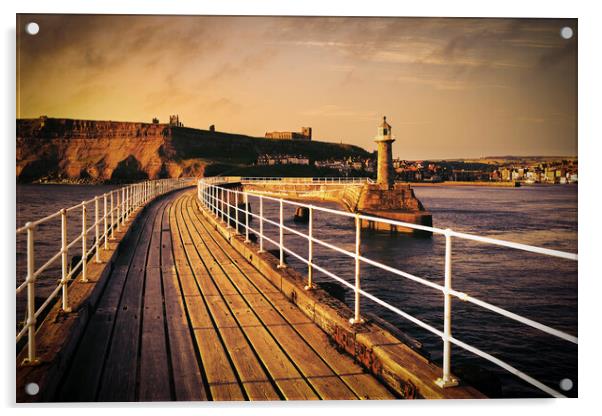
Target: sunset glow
[{"x": 449, "y": 87}]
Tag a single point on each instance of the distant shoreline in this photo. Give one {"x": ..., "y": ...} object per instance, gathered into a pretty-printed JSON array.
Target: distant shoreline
[
  {"x": 467, "y": 183},
  {"x": 412, "y": 184}
]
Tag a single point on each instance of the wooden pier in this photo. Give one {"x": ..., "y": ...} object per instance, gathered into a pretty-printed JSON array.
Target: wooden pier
[
  {"x": 185, "y": 317},
  {"x": 181, "y": 308},
  {"x": 179, "y": 303}
]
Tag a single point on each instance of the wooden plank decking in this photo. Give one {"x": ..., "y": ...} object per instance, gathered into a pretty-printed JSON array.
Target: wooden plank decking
[{"x": 185, "y": 317}]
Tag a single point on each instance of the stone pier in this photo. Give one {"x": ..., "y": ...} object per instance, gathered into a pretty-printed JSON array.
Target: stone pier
[{"x": 387, "y": 199}]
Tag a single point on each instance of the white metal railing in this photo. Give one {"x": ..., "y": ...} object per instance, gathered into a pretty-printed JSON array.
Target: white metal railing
[
  {"x": 117, "y": 206},
  {"x": 218, "y": 200},
  {"x": 292, "y": 180}
]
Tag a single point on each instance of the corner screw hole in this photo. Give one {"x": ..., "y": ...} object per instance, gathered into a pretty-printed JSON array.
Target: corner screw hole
[
  {"x": 566, "y": 384},
  {"x": 566, "y": 33},
  {"x": 32, "y": 389},
  {"x": 32, "y": 28}
]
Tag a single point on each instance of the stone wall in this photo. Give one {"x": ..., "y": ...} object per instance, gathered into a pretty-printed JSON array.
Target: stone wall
[{"x": 398, "y": 203}]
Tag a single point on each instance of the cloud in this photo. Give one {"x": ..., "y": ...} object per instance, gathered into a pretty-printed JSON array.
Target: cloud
[
  {"x": 336, "y": 111},
  {"x": 340, "y": 72},
  {"x": 556, "y": 56}
]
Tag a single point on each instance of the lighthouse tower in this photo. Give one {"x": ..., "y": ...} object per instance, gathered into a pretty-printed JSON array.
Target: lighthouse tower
[{"x": 384, "y": 140}]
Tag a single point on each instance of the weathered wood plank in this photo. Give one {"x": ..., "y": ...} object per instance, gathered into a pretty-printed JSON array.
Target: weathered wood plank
[
  {"x": 291, "y": 383},
  {"x": 285, "y": 375},
  {"x": 186, "y": 374},
  {"x": 222, "y": 382},
  {"x": 220, "y": 375},
  {"x": 83, "y": 377},
  {"x": 154, "y": 380},
  {"x": 362, "y": 385},
  {"x": 120, "y": 373},
  {"x": 254, "y": 380}
]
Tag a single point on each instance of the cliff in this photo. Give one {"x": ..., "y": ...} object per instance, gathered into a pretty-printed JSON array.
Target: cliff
[{"x": 111, "y": 151}]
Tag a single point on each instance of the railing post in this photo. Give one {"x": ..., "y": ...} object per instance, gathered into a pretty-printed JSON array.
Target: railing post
[
  {"x": 122, "y": 217},
  {"x": 236, "y": 210},
  {"x": 64, "y": 261},
  {"x": 310, "y": 251},
  {"x": 213, "y": 198},
  {"x": 117, "y": 206},
  {"x": 246, "y": 202},
  {"x": 31, "y": 299},
  {"x": 104, "y": 223},
  {"x": 112, "y": 218},
  {"x": 223, "y": 201},
  {"x": 281, "y": 265},
  {"x": 261, "y": 224},
  {"x": 358, "y": 232},
  {"x": 96, "y": 231},
  {"x": 228, "y": 207},
  {"x": 447, "y": 380},
  {"x": 84, "y": 243}
]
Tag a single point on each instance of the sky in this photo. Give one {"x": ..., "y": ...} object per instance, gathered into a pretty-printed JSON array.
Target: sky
[{"x": 450, "y": 88}]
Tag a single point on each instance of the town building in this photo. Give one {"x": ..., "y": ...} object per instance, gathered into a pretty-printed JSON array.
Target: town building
[
  {"x": 305, "y": 134},
  {"x": 271, "y": 160},
  {"x": 174, "y": 121}
]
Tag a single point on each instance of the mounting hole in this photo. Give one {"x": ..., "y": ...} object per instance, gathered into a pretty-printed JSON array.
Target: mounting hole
[
  {"x": 32, "y": 389},
  {"x": 566, "y": 384},
  {"x": 32, "y": 28},
  {"x": 566, "y": 33}
]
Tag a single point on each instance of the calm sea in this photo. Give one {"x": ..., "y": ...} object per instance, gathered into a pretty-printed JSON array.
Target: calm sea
[{"x": 534, "y": 286}]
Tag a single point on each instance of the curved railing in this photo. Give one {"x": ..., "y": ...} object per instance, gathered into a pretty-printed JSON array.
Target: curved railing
[
  {"x": 222, "y": 201},
  {"x": 296, "y": 180},
  {"x": 111, "y": 210}
]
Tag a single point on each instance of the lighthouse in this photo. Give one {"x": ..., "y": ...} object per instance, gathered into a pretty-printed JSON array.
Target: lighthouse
[{"x": 384, "y": 141}]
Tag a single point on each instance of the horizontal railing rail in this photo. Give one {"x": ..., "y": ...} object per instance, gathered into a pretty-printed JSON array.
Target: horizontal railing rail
[
  {"x": 293, "y": 180},
  {"x": 117, "y": 206},
  {"x": 225, "y": 204}
]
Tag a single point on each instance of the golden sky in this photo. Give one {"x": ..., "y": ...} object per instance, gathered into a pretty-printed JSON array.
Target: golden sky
[{"x": 449, "y": 87}]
